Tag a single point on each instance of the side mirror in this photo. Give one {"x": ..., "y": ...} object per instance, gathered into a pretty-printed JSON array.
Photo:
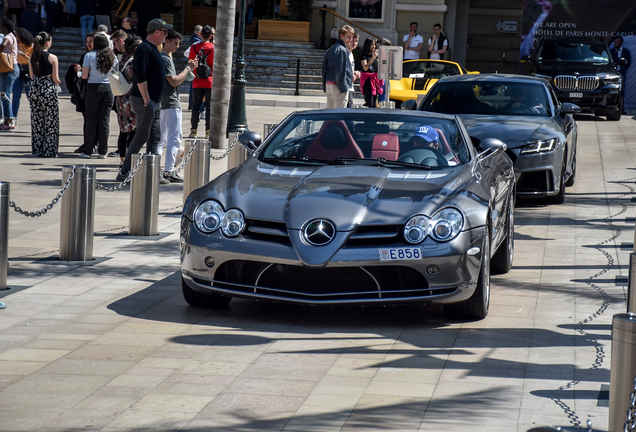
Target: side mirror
[
  {"x": 622, "y": 61},
  {"x": 492, "y": 146},
  {"x": 525, "y": 58},
  {"x": 409, "y": 105},
  {"x": 251, "y": 140},
  {"x": 569, "y": 108}
]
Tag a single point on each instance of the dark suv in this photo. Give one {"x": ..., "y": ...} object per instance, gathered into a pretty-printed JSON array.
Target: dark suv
[{"x": 581, "y": 71}]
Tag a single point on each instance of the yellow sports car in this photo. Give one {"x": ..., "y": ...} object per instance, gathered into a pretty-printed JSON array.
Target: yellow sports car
[{"x": 418, "y": 76}]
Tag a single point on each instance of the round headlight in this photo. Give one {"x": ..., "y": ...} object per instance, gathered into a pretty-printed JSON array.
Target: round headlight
[
  {"x": 208, "y": 216},
  {"x": 446, "y": 224},
  {"x": 416, "y": 229},
  {"x": 233, "y": 223}
]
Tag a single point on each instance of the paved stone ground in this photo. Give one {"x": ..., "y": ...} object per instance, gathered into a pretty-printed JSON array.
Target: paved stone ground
[{"x": 111, "y": 345}]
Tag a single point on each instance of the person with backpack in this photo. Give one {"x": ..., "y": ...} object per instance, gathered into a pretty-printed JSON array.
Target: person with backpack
[{"x": 202, "y": 83}]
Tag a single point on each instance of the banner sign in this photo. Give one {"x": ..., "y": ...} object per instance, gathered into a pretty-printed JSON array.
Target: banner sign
[{"x": 588, "y": 18}]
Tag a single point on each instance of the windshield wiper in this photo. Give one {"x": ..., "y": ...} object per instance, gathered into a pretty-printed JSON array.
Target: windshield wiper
[
  {"x": 302, "y": 161},
  {"x": 386, "y": 163}
]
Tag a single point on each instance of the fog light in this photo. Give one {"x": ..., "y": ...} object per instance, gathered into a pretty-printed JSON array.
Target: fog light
[
  {"x": 209, "y": 261},
  {"x": 432, "y": 270}
]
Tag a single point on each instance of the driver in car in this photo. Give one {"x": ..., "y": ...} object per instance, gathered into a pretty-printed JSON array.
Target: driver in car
[
  {"x": 426, "y": 137},
  {"x": 519, "y": 100}
]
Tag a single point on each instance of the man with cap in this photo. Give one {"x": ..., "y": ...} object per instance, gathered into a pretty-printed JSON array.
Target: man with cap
[
  {"x": 145, "y": 95},
  {"x": 426, "y": 137}
]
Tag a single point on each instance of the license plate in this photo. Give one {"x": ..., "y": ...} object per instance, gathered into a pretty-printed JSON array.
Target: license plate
[
  {"x": 576, "y": 95},
  {"x": 400, "y": 254}
]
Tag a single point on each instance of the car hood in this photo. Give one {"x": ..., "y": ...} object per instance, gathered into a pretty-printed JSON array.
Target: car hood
[
  {"x": 515, "y": 131},
  {"x": 347, "y": 195},
  {"x": 553, "y": 69}
]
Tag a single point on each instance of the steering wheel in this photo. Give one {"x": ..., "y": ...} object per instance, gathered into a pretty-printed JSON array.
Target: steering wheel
[
  {"x": 520, "y": 109},
  {"x": 418, "y": 156}
]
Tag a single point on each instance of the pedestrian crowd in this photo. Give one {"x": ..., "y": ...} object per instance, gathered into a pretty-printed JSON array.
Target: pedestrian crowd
[
  {"x": 340, "y": 69},
  {"x": 135, "y": 77}
]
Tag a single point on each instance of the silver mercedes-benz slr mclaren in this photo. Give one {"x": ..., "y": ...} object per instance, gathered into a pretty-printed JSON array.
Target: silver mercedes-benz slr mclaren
[{"x": 354, "y": 206}]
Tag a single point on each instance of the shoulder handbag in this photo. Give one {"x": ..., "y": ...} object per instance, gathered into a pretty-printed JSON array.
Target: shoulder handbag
[
  {"x": 118, "y": 83},
  {"x": 6, "y": 62},
  {"x": 6, "y": 59},
  {"x": 81, "y": 86},
  {"x": 24, "y": 53}
]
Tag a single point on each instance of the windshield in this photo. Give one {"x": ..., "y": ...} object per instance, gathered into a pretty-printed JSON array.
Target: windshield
[
  {"x": 428, "y": 69},
  {"x": 588, "y": 52},
  {"x": 488, "y": 98},
  {"x": 390, "y": 139}
]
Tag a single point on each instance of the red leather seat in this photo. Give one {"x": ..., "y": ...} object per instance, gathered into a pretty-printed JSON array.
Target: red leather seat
[
  {"x": 386, "y": 146},
  {"x": 333, "y": 140}
]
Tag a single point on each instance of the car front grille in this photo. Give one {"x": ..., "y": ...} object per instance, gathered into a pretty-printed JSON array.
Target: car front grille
[
  {"x": 326, "y": 285},
  {"x": 568, "y": 83},
  {"x": 363, "y": 235},
  {"x": 535, "y": 182},
  {"x": 266, "y": 231}
]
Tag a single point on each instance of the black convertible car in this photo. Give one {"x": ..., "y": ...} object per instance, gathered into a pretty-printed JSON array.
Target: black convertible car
[
  {"x": 357, "y": 206},
  {"x": 539, "y": 131}
]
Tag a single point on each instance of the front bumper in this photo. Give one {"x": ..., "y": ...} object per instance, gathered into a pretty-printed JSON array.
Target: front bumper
[
  {"x": 537, "y": 174},
  {"x": 602, "y": 101},
  {"x": 263, "y": 268}
]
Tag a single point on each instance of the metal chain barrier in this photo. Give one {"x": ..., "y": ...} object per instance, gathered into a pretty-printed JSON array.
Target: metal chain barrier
[
  {"x": 227, "y": 152},
  {"x": 126, "y": 181},
  {"x": 48, "y": 206},
  {"x": 117, "y": 187},
  {"x": 630, "y": 424}
]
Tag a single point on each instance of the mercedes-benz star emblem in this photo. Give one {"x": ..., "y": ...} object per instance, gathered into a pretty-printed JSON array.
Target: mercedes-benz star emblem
[{"x": 319, "y": 232}]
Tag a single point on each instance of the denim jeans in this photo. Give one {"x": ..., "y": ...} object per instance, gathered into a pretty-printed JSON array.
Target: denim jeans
[
  {"x": 18, "y": 87},
  {"x": 6, "y": 87},
  {"x": 147, "y": 129},
  {"x": 52, "y": 9},
  {"x": 99, "y": 102},
  {"x": 86, "y": 23}
]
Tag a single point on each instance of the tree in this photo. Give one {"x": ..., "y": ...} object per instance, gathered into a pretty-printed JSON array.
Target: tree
[{"x": 222, "y": 73}]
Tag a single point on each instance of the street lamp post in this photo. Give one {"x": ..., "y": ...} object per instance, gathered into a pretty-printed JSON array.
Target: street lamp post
[{"x": 237, "y": 120}]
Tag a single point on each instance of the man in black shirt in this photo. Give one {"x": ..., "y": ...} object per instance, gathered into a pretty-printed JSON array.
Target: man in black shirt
[
  {"x": 145, "y": 95},
  {"x": 126, "y": 25},
  {"x": 31, "y": 20}
]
